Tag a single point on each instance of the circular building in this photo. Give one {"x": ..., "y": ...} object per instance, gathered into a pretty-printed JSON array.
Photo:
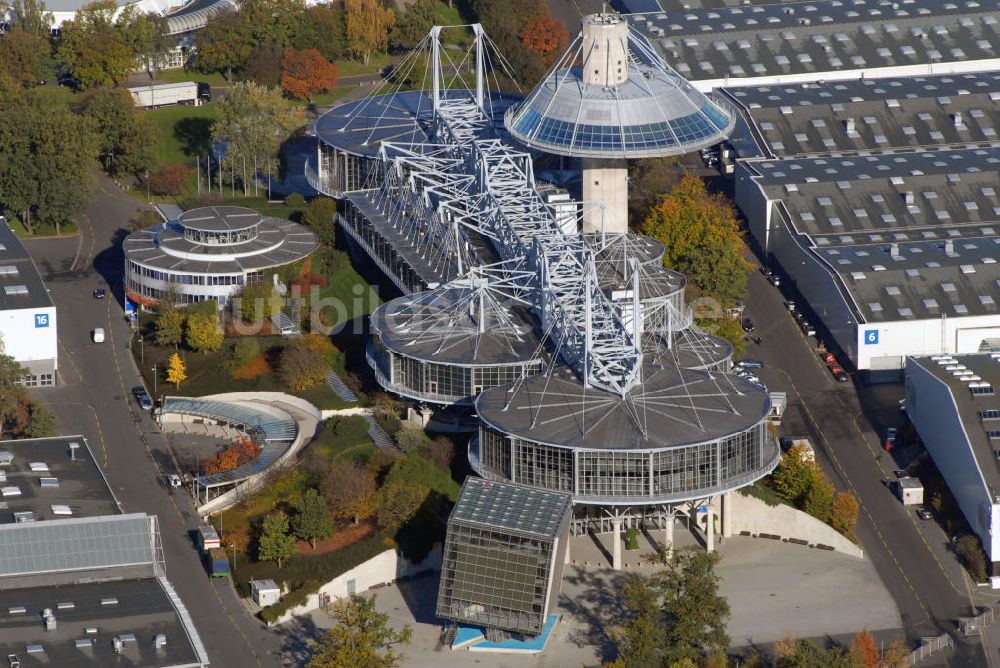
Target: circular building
[
  {"x": 447, "y": 345},
  {"x": 350, "y": 135},
  {"x": 210, "y": 253},
  {"x": 683, "y": 435},
  {"x": 610, "y": 98}
]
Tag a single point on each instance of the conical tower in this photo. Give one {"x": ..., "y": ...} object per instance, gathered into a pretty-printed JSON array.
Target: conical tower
[{"x": 609, "y": 98}]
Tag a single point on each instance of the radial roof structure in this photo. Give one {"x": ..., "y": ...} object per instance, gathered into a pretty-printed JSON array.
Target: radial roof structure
[{"x": 641, "y": 109}]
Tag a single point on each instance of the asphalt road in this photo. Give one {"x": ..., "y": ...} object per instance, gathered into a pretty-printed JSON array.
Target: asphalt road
[
  {"x": 927, "y": 583},
  {"x": 94, "y": 399}
]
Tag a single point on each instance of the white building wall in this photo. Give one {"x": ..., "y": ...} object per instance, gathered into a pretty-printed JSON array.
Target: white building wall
[
  {"x": 755, "y": 205},
  {"x": 932, "y": 409},
  {"x": 29, "y": 334}
]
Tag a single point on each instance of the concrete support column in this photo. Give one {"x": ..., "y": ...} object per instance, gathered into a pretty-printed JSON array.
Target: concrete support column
[
  {"x": 726, "y": 512},
  {"x": 569, "y": 542},
  {"x": 606, "y": 180},
  {"x": 616, "y": 544},
  {"x": 710, "y": 528},
  {"x": 668, "y": 534}
]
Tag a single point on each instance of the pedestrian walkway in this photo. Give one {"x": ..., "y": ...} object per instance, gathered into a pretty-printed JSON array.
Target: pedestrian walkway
[
  {"x": 381, "y": 437},
  {"x": 334, "y": 382}
]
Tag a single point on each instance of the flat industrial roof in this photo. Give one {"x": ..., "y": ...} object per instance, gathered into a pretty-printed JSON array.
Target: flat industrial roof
[
  {"x": 79, "y": 483},
  {"x": 872, "y": 114},
  {"x": 220, "y": 218},
  {"x": 674, "y": 407},
  {"x": 21, "y": 285},
  {"x": 912, "y": 234},
  {"x": 980, "y": 413},
  {"x": 501, "y": 505},
  {"x": 111, "y": 609},
  {"x": 822, "y": 36}
]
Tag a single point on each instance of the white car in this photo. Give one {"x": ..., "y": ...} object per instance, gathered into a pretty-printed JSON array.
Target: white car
[
  {"x": 98, "y": 335},
  {"x": 174, "y": 480}
]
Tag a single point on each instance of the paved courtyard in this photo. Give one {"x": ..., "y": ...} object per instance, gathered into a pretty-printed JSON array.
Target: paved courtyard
[{"x": 771, "y": 587}]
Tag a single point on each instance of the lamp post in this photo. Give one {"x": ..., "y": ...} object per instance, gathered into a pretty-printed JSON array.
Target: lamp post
[{"x": 154, "y": 380}]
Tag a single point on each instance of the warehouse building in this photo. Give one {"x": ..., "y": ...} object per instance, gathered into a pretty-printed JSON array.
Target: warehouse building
[
  {"x": 81, "y": 584},
  {"x": 953, "y": 405},
  {"x": 210, "y": 253},
  {"x": 827, "y": 40},
  {"x": 896, "y": 253},
  {"x": 27, "y": 314}
]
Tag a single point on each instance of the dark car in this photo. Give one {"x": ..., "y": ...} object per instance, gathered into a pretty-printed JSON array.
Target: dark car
[
  {"x": 890, "y": 438},
  {"x": 924, "y": 514},
  {"x": 747, "y": 325},
  {"x": 750, "y": 364},
  {"x": 775, "y": 280},
  {"x": 785, "y": 442},
  {"x": 142, "y": 397},
  {"x": 841, "y": 376},
  {"x": 901, "y": 473},
  {"x": 99, "y": 293},
  {"x": 204, "y": 91}
]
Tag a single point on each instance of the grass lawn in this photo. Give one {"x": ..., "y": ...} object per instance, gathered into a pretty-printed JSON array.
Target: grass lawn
[
  {"x": 342, "y": 288},
  {"x": 344, "y": 438},
  {"x": 279, "y": 210},
  {"x": 331, "y": 96},
  {"x": 41, "y": 230},
  {"x": 185, "y": 132},
  {"x": 353, "y": 68},
  {"x": 180, "y": 74}
]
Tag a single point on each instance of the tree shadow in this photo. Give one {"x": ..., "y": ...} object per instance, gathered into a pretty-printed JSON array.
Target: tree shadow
[
  {"x": 297, "y": 638},
  {"x": 595, "y": 605},
  {"x": 195, "y": 135}
]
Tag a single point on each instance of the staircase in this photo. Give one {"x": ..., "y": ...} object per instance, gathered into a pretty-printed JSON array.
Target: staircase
[
  {"x": 381, "y": 437},
  {"x": 334, "y": 382}
]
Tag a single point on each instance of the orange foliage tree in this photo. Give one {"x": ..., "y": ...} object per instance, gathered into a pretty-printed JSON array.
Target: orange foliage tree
[
  {"x": 546, "y": 36},
  {"x": 239, "y": 453},
  {"x": 865, "y": 649},
  {"x": 305, "y": 73}
]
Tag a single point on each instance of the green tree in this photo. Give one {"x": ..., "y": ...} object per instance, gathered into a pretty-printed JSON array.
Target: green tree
[
  {"x": 319, "y": 217},
  {"x": 264, "y": 64},
  {"x": 240, "y": 351},
  {"x": 42, "y": 423},
  {"x": 11, "y": 389},
  {"x": 807, "y": 654},
  {"x": 312, "y": 518},
  {"x": 414, "y": 24},
  {"x": 349, "y": 488},
  {"x": 793, "y": 475},
  {"x": 323, "y": 29},
  {"x": 397, "y": 502},
  {"x": 703, "y": 239},
  {"x": 31, "y": 17},
  {"x": 368, "y": 24},
  {"x": 418, "y": 470},
  {"x": 360, "y": 637},
  {"x": 148, "y": 37},
  {"x": 275, "y": 543},
  {"x": 204, "y": 332},
  {"x": 278, "y": 21},
  {"x": 253, "y": 122},
  {"x": 92, "y": 46},
  {"x": 224, "y": 45},
  {"x": 43, "y": 177},
  {"x": 818, "y": 498},
  {"x": 169, "y": 327},
  {"x": 257, "y": 302},
  {"x": 127, "y": 140},
  {"x": 689, "y": 621}
]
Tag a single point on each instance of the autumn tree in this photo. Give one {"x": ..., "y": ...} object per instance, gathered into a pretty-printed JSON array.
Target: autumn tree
[
  {"x": 312, "y": 518},
  {"x": 169, "y": 327},
  {"x": 895, "y": 654},
  {"x": 26, "y": 58},
  {"x": 275, "y": 543},
  {"x": 818, "y": 498},
  {"x": 360, "y": 637},
  {"x": 126, "y": 138},
  {"x": 368, "y": 25},
  {"x": 305, "y": 73},
  {"x": 545, "y": 36},
  {"x": 264, "y": 64},
  {"x": 865, "y": 649},
  {"x": 350, "y": 490},
  {"x": 92, "y": 47},
  {"x": 844, "y": 517},
  {"x": 253, "y": 122},
  {"x": 203, "y": 332},
  {"x": 169, "y": 179},
  {"x": 793, "y": 475},
  {"x": 301, "y": 368},
  {"x": 236, "y": 539},
  {"x": 176, "y": 370},
  {"x": 397, "y": 502},
  {"x": 702, "y": 238},
  {"x": 241, "y": 451}
]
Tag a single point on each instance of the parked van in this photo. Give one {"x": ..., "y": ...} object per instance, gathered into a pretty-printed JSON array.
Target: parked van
[{"x": 98, "y": 335}]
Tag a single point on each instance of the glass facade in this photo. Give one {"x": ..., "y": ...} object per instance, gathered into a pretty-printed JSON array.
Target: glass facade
[
  {"x": 342, "y": 172},
  {"x": 220, "y": 237},
  {"x": 630, "y": 475}
]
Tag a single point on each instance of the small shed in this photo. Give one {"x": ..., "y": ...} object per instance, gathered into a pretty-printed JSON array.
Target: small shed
[
  {"x": 778, "y": 402},
  {"x": 264, "y": 592},
  {"x": 909, "y": 491}
]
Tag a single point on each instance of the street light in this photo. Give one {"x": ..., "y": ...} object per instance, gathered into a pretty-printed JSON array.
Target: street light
[{"x": 154, "y": 380}]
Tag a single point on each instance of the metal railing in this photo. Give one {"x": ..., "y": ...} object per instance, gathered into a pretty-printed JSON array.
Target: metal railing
[{"x": 929, "y": 646}]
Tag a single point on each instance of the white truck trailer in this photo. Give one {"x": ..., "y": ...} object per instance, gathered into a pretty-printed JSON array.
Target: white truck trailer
[{"x": 161, "y": 95}]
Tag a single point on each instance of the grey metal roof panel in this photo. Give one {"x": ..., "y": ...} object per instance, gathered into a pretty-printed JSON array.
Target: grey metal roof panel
[
  {"x": 20, "y": 287},
  {"x": 498, "y": 505}
]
